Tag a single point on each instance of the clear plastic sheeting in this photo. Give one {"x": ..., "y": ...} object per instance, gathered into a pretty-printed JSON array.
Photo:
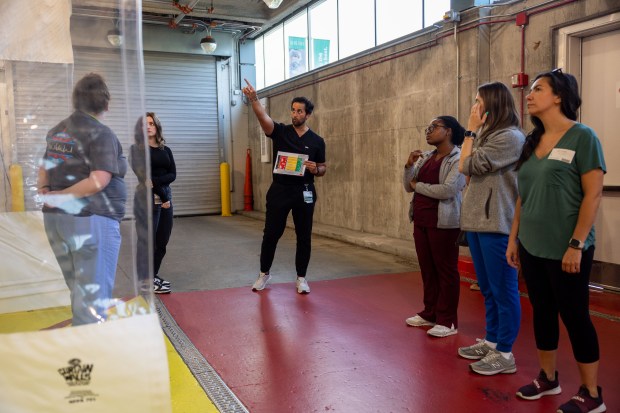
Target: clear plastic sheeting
[
  {"x": 76, "y": 290},
  {"x": 71, "y": 108}
]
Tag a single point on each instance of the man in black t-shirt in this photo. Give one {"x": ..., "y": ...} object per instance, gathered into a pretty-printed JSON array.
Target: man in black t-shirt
[{"x": 298, "y": 157}]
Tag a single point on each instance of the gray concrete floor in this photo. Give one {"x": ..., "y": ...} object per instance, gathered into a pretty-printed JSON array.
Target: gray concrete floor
[{"x": 214, "y": 252}]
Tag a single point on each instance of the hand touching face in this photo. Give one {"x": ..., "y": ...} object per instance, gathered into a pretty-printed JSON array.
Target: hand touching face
[{"x": 477, "y": 115}]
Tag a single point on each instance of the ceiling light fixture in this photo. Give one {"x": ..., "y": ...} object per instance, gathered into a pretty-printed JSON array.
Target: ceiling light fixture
[
  {"x": 273, "y": 4},
  {"x": 208, "y": 43},
  {"x": 115, "y": 37}
]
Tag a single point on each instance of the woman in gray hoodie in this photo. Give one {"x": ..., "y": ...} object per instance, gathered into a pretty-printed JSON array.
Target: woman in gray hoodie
[
  {"x": 436, "y": 182},
  {"x": 490, "y": 152}
]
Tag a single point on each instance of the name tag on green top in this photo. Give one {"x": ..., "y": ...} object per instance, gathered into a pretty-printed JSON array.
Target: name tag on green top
[{"x": 564, "y": 155}]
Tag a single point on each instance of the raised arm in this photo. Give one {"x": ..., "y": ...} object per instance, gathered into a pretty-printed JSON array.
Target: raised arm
[
  {"x": 266, "y": 123},
  {"x": 475, "y": 121}
]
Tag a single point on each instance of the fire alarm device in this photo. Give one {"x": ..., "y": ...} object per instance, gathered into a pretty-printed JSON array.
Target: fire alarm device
[{"x": 520, "y": 80}]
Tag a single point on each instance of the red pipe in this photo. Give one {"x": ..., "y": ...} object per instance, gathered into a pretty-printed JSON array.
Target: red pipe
[
  {"x": 553, "y": 6},
  {"x": 522, "y": 71}
]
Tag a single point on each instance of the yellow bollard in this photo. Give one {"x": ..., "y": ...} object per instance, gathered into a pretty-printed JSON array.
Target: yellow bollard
[
  {"x": 225, "y": 187},
  {"x": 16, "y": 178}
]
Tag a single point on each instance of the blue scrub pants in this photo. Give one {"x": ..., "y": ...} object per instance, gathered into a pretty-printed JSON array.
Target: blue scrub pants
[
  {"x": 86, "y": 249},
  {"x": 499, "y": 285}
]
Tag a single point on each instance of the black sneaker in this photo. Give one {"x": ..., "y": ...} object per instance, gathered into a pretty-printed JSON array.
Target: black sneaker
[
  {"x": 162, "y": 281},
  {"x": 582, "y": 402},
  {"x": 159, "y": 287},
  {"x": 541, "y": 386}
]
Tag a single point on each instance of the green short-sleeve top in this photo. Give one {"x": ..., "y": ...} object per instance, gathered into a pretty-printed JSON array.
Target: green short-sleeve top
[{"x": 551, "y": 192}]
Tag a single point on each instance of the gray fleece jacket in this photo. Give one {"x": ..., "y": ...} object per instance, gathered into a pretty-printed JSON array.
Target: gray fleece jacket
[
  {"x": 490, "y": 198},
  {"x": 448, "y": 191}
]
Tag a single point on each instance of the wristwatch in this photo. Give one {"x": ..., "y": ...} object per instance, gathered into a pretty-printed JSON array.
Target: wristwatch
[
  {"x": 470, "y": 134},
  {"x": 576, "y": 244}
]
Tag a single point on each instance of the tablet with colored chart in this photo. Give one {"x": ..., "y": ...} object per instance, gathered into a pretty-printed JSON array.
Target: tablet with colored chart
[{"x": 290, "y": 163}]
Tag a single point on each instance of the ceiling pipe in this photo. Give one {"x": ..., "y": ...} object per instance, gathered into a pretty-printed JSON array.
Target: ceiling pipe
[{"x": 185, "y": 10}]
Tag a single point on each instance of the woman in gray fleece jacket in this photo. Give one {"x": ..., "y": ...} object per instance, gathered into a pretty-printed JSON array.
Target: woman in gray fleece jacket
[
  {"x": 436, "y": 182},
  {"x": 491, "y": 149}
]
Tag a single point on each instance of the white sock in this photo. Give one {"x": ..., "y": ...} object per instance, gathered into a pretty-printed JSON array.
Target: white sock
[
  {"x": 491, "y": 344},
  {"x": 506, "y": 355}
]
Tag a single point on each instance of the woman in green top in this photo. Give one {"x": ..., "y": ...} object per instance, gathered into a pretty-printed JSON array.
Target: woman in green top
[{"x": 560, "y": 187}]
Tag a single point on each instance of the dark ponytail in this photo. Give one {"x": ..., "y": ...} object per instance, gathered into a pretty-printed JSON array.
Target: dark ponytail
[{"x": 565, "y": 86}]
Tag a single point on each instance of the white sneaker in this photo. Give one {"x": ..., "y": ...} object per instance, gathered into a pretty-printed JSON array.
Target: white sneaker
[
  {"x": 417, "y": 321},
  {"x": 261, "y": 281},
  {"x": 302, "y": 285},
  {"x": 442, "y": 331}
]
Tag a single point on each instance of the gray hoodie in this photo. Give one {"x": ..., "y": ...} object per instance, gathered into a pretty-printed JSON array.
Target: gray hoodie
[
  {"x": 448, "y": 191},
  {"x": 489, "y": 200}
]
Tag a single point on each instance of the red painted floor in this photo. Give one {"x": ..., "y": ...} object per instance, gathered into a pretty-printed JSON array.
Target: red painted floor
[{"x": 346, "y": 348}]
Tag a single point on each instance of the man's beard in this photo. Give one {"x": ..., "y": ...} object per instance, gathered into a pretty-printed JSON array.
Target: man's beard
[{"x": 298, "y": 123}]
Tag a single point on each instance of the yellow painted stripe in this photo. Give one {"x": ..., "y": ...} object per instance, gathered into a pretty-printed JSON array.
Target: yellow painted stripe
[
  {"x": 34, "y": 320},
  {"x": 187, "y": 395}
]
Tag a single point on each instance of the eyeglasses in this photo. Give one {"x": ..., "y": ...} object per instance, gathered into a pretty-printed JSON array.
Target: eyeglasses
[{"x": 432, "y": 127}]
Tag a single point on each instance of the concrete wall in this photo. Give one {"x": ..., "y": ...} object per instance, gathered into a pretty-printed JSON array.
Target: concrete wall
[{"x": 372, "y": 109}]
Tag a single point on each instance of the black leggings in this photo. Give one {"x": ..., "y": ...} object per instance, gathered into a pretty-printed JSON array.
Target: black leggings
[
  {"x": 162, "y": 228},
  {"x": 552, "y": 292},
  {"x": 281, "y": 199}
]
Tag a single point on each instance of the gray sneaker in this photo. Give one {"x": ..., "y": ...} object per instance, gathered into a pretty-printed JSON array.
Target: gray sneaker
[
  {"x": 494, "y": 363},
  {"x": 475, "y": 352},
  {"x": 261, "y": 281}
]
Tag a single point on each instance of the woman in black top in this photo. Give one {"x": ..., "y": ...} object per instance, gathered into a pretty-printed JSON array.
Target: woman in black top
[{"x": 163, "y": 173}]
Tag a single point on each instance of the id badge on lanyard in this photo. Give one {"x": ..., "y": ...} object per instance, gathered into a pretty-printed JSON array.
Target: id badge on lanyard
[{"x": 308, "y": 196}]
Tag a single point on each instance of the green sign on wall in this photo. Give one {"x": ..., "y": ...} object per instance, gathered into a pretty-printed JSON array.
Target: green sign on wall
[
  {"x": 296, "y": 56},
  {"x": 321, "y": 52}
]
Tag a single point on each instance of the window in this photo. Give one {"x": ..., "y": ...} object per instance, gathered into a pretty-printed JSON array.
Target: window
[
  {"x": 396, "y": 18},
  {"x": 260, "y": 63},
  {"x": 330, "y": 30},
  {"x": 323, "y": 33},
  {"x": 356, "y": 26},
  {"x": 274, "y": 56},
  {"x": 296, "y": 45},
  {"x": 434, "y": 11}
]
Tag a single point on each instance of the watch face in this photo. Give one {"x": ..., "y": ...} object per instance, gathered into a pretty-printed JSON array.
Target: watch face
[{"x": 574, "y": 243}]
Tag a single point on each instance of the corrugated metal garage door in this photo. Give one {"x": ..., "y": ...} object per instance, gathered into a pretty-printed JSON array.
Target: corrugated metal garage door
[
  {"x": 181, "y": 89},
  {"x": 42, "y": 98}
]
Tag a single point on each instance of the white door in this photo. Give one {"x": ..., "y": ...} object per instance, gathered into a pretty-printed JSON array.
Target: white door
[{"x": 600, "y": 91}]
